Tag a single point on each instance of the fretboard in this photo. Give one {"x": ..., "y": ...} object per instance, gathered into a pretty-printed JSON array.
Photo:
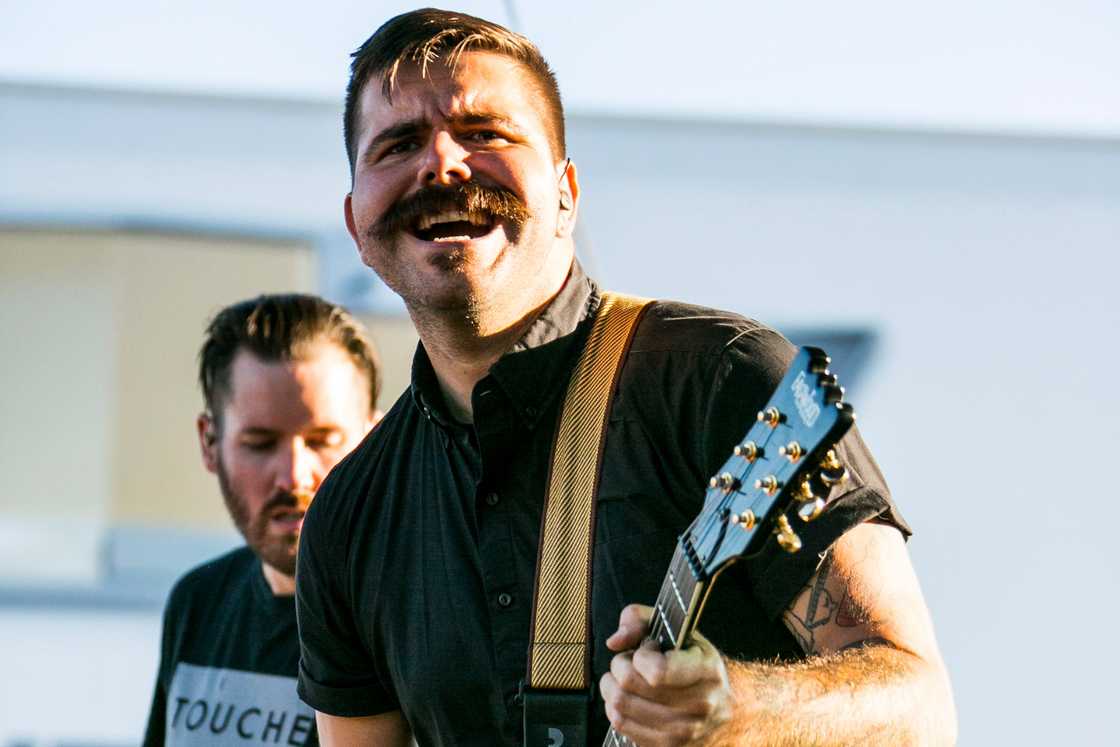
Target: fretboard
[{"x": 674, "y": 616}]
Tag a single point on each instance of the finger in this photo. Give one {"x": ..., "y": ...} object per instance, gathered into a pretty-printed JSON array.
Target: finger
[
  {"x": 627, "y": 678},
  {"x": 647, "y": 722},
  {"x": 697, "y": 664},
  {"x": 633, "y": 625}
]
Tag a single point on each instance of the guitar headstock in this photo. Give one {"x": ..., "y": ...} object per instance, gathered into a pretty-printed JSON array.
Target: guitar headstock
[{"x": 779, "y": 474}]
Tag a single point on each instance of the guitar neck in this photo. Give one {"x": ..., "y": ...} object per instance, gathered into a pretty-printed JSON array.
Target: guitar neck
[
  {"x": 677, "y": 606},
  {"x": 674, "y": 616}
]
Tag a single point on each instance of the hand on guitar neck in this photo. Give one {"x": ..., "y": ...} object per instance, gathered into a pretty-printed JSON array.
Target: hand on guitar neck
[{"x": 680, "y": 695}]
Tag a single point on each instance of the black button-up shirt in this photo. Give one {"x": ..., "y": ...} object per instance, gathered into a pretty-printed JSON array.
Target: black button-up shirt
[{"x": 417, "y": 559}]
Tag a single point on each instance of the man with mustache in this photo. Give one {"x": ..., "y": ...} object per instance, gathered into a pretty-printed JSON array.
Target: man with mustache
[
  {"x": 290, "y": 384},
  {"x": 415, "y": 583}
]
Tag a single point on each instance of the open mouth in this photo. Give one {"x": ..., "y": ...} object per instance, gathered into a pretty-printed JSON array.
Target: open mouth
[
  {"x": 453, "y": 225},
  {"x": 287, "y": 519}
]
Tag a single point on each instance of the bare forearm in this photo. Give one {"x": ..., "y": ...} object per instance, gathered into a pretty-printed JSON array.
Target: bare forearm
[{"x": 877, "y": 695}]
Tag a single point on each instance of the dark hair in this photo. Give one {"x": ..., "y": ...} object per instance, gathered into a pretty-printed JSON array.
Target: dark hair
[
  {"x": 423, "y": 36},
  {"x": 280, "y": 327}
]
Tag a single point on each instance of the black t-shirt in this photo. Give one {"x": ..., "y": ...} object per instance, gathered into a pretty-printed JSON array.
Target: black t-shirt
[
  {"x": 228, "y": 663},
  {"x": 417, "y": 557}
]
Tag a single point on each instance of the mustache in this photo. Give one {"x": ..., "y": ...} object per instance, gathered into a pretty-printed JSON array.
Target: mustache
[
  {"x": 285, "y": 500},
  {"x": 468, "y": 197}
]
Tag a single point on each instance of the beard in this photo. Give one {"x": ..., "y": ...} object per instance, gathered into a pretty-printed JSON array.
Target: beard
[
  {"x": 457, "y": 286},
  {"x": 277, "y": 550}
]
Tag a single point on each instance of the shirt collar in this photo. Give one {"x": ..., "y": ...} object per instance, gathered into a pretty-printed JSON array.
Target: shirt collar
[{"x": 538, "y": 365}]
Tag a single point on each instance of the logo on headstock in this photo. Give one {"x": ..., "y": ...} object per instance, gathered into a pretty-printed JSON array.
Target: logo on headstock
[{"x": 807, "y": 408}]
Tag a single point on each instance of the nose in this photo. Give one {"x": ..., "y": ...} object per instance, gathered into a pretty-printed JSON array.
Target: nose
[
  {"x": 298, "y": 469},
  {"x": 445, "y": 161}
]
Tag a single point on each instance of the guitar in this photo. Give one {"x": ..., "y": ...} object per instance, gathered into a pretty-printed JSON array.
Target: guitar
[{"x": 784, "y": 465}]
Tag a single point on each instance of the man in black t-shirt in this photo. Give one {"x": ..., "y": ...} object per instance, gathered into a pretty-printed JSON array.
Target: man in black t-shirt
[
  {"x": 415, "y": 579},
  {"x": 290, "y": 384}
]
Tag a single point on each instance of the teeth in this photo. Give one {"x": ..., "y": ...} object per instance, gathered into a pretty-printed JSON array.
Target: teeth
[{"x": 451, "y": 216}]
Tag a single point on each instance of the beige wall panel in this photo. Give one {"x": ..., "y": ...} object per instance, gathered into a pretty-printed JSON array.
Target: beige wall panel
[
  {"x": 57, "y": 403},
  {"x": 57, "y": 406}
]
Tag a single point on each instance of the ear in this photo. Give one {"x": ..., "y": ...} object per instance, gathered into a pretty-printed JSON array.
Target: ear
[
  {"x": 348, "y": 211},
  {"x": 569, "y": 199},
  {"x": 208, "y": 441}
]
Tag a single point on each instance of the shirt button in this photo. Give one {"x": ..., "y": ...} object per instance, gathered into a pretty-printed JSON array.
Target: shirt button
[
  {"x": 492, "y": 499},
  {"x": 504, "y": 600}
]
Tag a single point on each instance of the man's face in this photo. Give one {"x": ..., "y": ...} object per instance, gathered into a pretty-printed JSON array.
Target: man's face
[
  {"x": 456, "y": 201},
  {"x": 284, "y": 425}
]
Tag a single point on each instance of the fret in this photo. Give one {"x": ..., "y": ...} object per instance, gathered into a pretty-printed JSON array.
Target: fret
[
  {"x": 677, "y": 594},
  {"x": 665, "y": 621}
]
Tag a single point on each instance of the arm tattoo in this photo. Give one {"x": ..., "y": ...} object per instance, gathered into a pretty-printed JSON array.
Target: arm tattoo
[{"x": 819, "y": 611}]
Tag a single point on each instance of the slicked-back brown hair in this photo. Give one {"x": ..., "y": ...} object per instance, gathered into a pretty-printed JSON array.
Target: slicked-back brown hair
[
  {"x": 280, "y": 327},
  {"x": 421, "y": 37}
]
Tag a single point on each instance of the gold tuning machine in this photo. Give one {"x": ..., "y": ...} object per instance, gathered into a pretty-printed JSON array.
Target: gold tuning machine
[
  {"x": 833, "y": 471},
  {"x": 769, "y": 483},
  {"x": 811, "y": 504},
  {"x": 791, "y": 451},
  {"x": 788, "y": 541},
  {"x": 771, "y": 416},
  {"x": 748, "y": 451},
  {"x": 810, "y": 509}
]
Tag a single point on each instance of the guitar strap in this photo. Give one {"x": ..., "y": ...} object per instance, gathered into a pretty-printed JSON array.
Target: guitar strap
[{"x": 557, "y": 692}]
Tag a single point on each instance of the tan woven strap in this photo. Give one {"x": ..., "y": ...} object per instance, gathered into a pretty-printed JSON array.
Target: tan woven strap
[{"x": 559, "y": 656}]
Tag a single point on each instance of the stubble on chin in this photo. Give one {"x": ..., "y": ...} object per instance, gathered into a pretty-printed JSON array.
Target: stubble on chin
[
  {"x": 278, "y": 552},
  {"x": 440, "y": 289}
]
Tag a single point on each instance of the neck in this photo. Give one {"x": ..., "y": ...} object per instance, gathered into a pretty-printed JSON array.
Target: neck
[
  {"x": 282, "y": 584},
  {"x": 463, "y": 347}
]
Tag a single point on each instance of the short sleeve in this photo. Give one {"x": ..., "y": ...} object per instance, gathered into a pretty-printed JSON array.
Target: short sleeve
[
  {"x": 750, "y": 369},
  {"x": 337, "y": 675}
]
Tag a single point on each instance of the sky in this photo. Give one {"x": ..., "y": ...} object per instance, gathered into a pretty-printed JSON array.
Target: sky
[{"x": 993, "y": 66}]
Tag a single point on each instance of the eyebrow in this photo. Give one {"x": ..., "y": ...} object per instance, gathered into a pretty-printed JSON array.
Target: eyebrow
[
  {"x": 315, "y": 429},
  {"x": 483, "y": 117},
  {"x": 471, "y": 118},
  {"x": 397, "y": 131}
]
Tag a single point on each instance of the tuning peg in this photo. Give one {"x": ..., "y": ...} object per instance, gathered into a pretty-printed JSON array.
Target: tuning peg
[
  {"x": 827, "y": 378},
  {"x": 810, "y": 510},
  {"x": 769, "y": 483},
  {"x": 788, "y": 541},
  {"x": 748, "y": 451},
  {"x": 819, "y": 362},
  {"x": 833, "y": 471},
  {"x": 833, "y": 394},
  {"x": 726, "y": 482},
  {"x": 744, "y": 520},
  {"x": 791, "y": 451},
  {"x": 771, "y": 416}
]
